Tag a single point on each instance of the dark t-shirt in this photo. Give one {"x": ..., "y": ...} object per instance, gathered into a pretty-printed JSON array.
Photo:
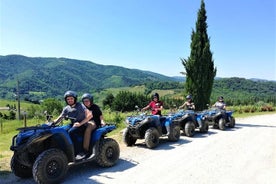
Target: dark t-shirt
[
  {"x": 96, "y": 114},
  {"x": 78, "y": 112}
]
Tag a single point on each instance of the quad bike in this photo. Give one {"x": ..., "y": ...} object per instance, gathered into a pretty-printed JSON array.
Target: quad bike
[
  {"x": 46, "y": 151},
  {"x": 219, "y": 118},
  {"x": 188, "y": 121},
  {"x": 150, "y": 128}
]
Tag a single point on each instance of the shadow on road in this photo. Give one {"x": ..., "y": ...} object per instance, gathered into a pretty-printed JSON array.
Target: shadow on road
[
  {"x": 164, "y": 144},
  {"x": 87, "y": 170},
  {"x": 202, "y": 135}
]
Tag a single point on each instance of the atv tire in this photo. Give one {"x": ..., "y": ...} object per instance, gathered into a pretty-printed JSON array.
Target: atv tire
[
  {"x": 232, "y": 122},
  {"x": 221, "y": 124},
  {"x": 19, "y": 169},
  {"x": 174, "y": 134},
  {"x": 109, "y": 152},
  {"x": 204, "y": 128},
  {"x": 152, "y": 137},
  {"x": 189, "y": 129},
  {"x": 50, "y": 166},
  {"x": 215, "y": 126},
  {"x": 128, "y": 139}
]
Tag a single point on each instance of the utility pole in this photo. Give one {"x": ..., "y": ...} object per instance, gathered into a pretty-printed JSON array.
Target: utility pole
[{"x": 18, "y": 99}]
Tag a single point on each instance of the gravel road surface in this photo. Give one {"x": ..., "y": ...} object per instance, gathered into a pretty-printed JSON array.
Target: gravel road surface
[{"x": 244, "y": 154}]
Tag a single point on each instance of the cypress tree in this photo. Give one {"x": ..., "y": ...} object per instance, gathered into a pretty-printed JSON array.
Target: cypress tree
[{"x": 199, "y": 66}]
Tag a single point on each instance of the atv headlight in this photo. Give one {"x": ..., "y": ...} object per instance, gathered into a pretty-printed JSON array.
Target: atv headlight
[{"x": 127, "y": 122}]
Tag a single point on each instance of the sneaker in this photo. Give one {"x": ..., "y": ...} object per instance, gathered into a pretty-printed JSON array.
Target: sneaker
[{"x": 80, "y": 156}]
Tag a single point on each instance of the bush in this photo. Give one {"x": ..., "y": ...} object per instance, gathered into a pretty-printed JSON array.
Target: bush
[
  {"x": 267, "y": 108},
  {"x": 253, "y": 109},
  {"x": 246, "y": 109}
]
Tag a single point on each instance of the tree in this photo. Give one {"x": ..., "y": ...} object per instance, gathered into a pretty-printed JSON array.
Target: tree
[
  {"x": 124, "y": 101},
  {"x": 12, "y": 115},
  {"x": 107, "y": 102},
  {"x": 199, "y": 66},
  {"x": 51, "y": 105}
]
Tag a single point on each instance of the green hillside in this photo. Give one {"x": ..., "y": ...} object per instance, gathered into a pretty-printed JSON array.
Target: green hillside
[
  {"x": 41, "y": 78},
  {"x": 50, "y": 77}
]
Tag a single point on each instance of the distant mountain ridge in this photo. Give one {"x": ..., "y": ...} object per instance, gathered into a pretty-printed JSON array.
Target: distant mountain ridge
[
  {"x": 50, "y": 77},
  {"x": 56, "y": 75}
]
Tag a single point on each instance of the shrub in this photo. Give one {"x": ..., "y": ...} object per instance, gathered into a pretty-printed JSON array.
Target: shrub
[{"x": 246, "y": 109}]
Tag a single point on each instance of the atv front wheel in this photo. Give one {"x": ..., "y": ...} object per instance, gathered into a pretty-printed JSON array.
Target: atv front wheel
[
  {"x": 204, "y": 128},
  {"x": 174, "y": 134},
  {"x": 128, "y": 139},
  {"x": 221, "y": 124},
  {"x": 152, "y": 137},
  {"x": 189, "y": 129},
  {"x": 232, "y": 122},
  {"x": 19, "y": 169},
  {"x": 50, "y": 166},
  {"x": 109, "y": 152}
]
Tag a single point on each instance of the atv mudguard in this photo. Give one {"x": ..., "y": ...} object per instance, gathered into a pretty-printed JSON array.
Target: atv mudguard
[{"x": 98, "y": 133}]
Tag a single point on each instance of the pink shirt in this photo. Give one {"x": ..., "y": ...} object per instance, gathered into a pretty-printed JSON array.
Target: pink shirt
[{"x": 154, "y": 105}]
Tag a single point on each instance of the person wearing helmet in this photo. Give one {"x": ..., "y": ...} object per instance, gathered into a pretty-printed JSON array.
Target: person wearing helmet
[
  {"x": 220, "y": 104},
  {"x": 189, "y": 104},
  {"x": 81, "y": 116},
  {"x": 155, "y": 105},
  {"x": 95, "y": 122}
]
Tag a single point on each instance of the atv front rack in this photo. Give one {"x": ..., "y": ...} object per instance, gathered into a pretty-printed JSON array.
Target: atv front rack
[{"x": 37, "y": 127}]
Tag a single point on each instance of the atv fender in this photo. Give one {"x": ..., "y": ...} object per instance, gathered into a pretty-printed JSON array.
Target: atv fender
[{"x": 97, "y": 134}]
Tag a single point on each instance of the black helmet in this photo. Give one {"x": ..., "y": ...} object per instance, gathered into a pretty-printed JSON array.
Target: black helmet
[
  {"x": 87, "y": 96},
  {"x": 155, "y": 95},
  {"x": 72, "y": 94},
  {"x": 189, "y": 97}
]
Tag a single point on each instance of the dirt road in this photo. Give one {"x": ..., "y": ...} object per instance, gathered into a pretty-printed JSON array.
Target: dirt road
[{"x": 245, "y": 154}]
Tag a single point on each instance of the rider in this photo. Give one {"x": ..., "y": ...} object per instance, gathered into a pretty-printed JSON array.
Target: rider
[
  {"x": 95, "y": 122},
  {"x": 189, "y": 104},
  {"x": 81, "y": 116},
  {"x": 155, "y": 105},
  {"x": 220, "y": 104}
]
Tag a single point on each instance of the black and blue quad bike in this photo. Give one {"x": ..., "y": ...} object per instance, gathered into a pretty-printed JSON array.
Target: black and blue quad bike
[
  {"x": 189, "y": 120},
  {"x": 150, "y": 128},
  {"x": 46, "y": 151},
  {"x": 219, "y": 118}
]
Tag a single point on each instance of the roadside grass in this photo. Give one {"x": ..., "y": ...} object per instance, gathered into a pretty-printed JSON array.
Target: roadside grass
[{"x": 244, "y": 115}]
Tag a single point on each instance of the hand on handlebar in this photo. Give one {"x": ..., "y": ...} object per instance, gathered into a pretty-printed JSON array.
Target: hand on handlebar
[
  {"x": 76, "y": 124},
  {"x": 103, "y": 123}
]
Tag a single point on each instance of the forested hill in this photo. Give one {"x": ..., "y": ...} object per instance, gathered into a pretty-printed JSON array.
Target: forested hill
[
  {"x": 56, "y": 75},
  {"x": 50, "y": 77},
  {"x": 243, "y": 91}
]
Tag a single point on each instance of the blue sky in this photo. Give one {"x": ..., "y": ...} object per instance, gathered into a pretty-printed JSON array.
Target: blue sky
[{"x": 143, "y": 34}]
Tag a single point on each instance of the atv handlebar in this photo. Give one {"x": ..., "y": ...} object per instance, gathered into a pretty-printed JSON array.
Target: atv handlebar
[{"x": 59, "y": 120}]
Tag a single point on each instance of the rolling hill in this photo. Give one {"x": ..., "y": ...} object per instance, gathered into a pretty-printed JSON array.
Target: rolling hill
[
  {"x": 53, "y": 76},
  {"x": 50, "y": 77}
]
